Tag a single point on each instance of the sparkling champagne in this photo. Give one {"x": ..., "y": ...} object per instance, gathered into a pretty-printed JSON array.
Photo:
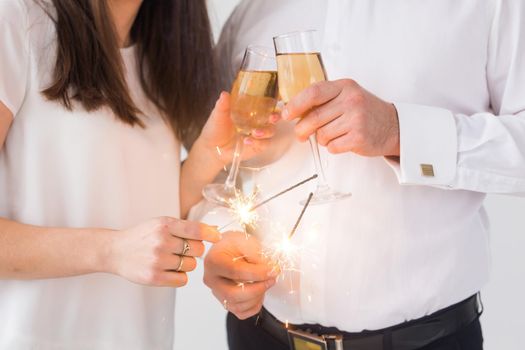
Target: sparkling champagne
[
  {"x": 300, "y": 65},
  {"x": 254, "y": 96},
  {"x": 297, "y": 71}
]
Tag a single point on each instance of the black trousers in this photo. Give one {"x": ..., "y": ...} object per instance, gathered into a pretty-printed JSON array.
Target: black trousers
[{"x": 244, "y": 335}]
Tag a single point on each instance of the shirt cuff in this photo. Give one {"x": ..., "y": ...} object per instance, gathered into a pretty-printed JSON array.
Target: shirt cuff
[{"x": 428, "y": 146}]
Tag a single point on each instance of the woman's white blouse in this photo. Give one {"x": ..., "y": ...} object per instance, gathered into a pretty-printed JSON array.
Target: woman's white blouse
[{"x": 63, "y": 168}]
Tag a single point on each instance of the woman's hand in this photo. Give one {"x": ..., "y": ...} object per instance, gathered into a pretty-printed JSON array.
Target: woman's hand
[
  {"x": 160, "y": 251},
  {"x": 218, "y": 136},
  {"x": 214, "y": 149},
  {"x": 238, "y": 275}
]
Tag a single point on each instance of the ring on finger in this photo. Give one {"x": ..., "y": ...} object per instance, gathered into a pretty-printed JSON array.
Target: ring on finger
[
  {"x": 185, "y": 247},
  {"x": 181, "y": 264}
]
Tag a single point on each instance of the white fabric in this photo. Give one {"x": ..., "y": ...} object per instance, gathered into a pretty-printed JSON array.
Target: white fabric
[
  {"x": 78, "y": 169},
  {"x": 394, "y": 252},
  {"x": 423, "y": 131}
]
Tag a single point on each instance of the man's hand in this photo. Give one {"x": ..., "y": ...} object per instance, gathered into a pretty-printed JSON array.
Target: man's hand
[
  {"x": 346, "y": 118},
  {"x": 238, "y": 275}
]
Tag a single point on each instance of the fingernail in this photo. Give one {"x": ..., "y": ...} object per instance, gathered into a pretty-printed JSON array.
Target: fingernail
[
  {"x": 214, "y": 230},
  {"x": 285, "y": 113},
  {"x": 258, "y": 133},
  {"x": 248, "y": 141},
  {"x": 274, "y": 118},
  {"x": 212, "y": 227}
]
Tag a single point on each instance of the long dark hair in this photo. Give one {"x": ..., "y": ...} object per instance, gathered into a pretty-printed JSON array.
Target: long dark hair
[{"x": 174, "y": 47}]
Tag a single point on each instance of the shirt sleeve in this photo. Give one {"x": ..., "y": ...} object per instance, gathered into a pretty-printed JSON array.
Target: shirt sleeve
[
  {"x": 484, "y": 152},
  {"x": 14, "y": 54}
]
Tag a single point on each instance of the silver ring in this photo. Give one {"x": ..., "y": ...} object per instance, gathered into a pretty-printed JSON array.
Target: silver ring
[
  {"x": 181, "y": 263},
  {"x": 185, "y": 248}
]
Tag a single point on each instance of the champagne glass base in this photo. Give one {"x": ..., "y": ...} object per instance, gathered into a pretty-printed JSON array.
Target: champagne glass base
[
  {"x": 219, "y": 194},
  {"x": 326, "y": 195}
]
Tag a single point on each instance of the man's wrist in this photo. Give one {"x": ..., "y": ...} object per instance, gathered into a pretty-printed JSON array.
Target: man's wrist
[{"x": 393, "y": 144}]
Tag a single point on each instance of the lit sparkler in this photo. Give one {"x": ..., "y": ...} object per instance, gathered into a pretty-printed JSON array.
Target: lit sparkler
[
  {"x": 282, "y": 252},
  {"x": 243, "y": 207}
]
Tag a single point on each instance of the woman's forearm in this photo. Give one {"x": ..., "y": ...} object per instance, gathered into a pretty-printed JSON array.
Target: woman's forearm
[
  {"x": 32, "y": 252},
  {"x": 200, "y": 168}
]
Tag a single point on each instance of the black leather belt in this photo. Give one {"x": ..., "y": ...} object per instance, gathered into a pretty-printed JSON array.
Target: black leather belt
[{"x": 410, "y": 335}]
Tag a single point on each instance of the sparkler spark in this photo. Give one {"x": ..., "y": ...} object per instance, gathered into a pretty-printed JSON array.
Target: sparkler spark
[
  {"x": 219, "y": 152},
  {"x": 283, "y": 253},
  {"x": 242, "y": 206},
  {"x": 237, "y": 258}
]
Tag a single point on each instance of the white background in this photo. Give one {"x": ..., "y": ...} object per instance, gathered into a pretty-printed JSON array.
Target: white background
[{"x": 200, "y": 318}]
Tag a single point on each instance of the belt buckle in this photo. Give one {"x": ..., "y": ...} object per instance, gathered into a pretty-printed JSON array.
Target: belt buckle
[{"x": 300, "y": 340}]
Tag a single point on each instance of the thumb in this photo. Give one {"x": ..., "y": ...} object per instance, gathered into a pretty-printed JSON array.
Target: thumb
[
  {"x": 252, "y": 250},
  {"x": 221, "y": 111}
]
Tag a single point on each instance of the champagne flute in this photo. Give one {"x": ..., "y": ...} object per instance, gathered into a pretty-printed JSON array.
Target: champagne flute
[
  {"x": 254, "y": 97},
  {"x": 300, "y": 65}
]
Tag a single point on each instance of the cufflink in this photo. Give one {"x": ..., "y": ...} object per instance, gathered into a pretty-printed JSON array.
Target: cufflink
[{"x": 427, "y": 170}]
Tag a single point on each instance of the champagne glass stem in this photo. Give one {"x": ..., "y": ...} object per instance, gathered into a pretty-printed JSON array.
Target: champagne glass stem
[
  {"x": 322, "y": 183},
  {"x": 234, "y": 170}
]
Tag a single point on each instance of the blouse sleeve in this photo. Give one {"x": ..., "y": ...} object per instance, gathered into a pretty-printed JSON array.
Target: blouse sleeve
[{"x": 14, "y": 54}]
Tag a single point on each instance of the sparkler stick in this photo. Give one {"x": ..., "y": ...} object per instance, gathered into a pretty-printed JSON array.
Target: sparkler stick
[
  {"x": 272, "y": 198},
  {"x": 300, "y": 216},
  {"x": 285, "y": 191}
]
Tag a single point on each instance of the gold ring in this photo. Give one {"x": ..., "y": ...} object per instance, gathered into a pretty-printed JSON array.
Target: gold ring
[
  {"x": 181, "y": 263},
  {"x": 185, "y": 248}
]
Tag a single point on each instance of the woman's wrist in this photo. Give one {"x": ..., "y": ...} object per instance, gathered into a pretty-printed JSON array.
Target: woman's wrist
[
  {"x": 206, "y": 159},
  {"x": 103, "y": 259},
  {"x": 199, "y": 169}
]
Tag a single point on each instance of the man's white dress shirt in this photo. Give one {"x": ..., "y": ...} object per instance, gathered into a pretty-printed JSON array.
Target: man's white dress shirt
[{"x": 407, "y": 243}]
